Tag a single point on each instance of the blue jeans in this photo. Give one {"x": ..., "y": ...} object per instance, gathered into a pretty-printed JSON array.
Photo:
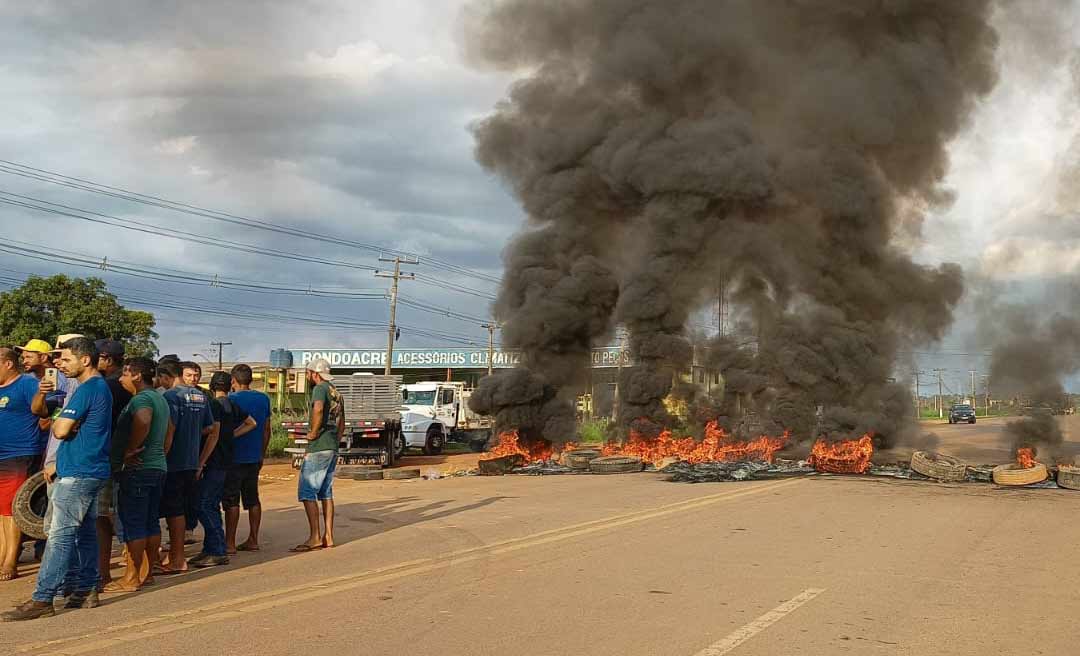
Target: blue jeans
[
  {"x": 72, "y": 538},
  {"x": 211, "y": 489},
  {"x": 317, "y": 476}
]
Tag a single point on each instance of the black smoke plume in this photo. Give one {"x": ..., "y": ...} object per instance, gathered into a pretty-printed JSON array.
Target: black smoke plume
[{"x": 658, "y": 146}]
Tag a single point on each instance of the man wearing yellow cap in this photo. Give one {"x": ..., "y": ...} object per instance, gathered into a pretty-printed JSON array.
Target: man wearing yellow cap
[{"x": 35, "y": 358}]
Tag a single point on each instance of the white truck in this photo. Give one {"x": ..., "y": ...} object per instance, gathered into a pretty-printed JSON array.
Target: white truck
[
  {"x": 373, "y": 415},
  {"x": 437, "y": 413}
]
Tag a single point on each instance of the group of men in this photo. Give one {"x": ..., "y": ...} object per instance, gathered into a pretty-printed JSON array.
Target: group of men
[{"x": 125, "y": 442}]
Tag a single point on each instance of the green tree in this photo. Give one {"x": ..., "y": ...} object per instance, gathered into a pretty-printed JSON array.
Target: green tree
[{"x": 43, "y": 308}]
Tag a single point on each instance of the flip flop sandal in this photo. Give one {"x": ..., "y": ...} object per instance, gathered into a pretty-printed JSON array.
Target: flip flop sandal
[
  {"x": 304, "y": 548},
  {"x": 117, "y": 588},
  {"x": 8, "y": 576},
  {"x": 244, "y": 547}
]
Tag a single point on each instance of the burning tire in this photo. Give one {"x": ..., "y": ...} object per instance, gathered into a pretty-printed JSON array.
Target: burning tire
[
  {"x": 939, "y": 466},
  {"x": 580, "y": 458},
  {"x": 1014, "y": 474},
  {"x": 28, "y": 506},
  {"x": 615, "y": 465},
  {"x": 1069, "y": 477}
]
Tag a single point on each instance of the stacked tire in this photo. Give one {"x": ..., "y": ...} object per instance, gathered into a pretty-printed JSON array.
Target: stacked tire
[
  {"x": 1013, "y": 474},
  {"x": 615, "y": 465},
  {"x": 1069, "y": 477},
  {"x": 939, "y": 466},
  {"x": 579, "y": 459}
]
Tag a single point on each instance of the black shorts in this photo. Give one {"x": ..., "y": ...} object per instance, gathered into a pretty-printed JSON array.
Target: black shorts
[
  {"x": 180, "y": 497},
  {"x": 242, "y": 482}
]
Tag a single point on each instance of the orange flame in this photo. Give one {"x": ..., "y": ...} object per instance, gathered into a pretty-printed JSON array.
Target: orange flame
[
  {"x": 717, "y": 446},
  {"x": 509, "y": 445},
  {"x": 1025, "y": 457},
  {"x": 844, "y": 457}
]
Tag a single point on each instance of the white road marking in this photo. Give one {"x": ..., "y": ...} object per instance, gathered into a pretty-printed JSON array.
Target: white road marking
[{"x": 741, "y": 635}]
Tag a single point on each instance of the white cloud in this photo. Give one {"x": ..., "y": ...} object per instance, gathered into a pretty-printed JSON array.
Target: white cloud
[{"x": 177, "y": 145}]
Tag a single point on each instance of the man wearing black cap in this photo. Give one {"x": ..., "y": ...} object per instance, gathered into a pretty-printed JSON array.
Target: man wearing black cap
[{"x": 110, "y": 365}]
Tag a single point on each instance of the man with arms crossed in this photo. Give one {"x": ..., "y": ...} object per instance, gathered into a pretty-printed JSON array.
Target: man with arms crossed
[
  {"x": 242, "y": 481},
  {"x": 316, "y": 484},
  {"x": 110, "y": 365},
  {"x": 190, "y": 409},
  {"x": 82, "y": 466},
  {"x": 141, "y": 439}
]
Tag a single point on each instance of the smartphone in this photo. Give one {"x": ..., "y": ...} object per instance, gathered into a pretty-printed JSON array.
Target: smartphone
[{"x": 50, "y": 375}]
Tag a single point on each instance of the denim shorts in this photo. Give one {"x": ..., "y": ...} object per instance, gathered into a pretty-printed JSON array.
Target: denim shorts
[
  {"x": 317, "y": 476},
  {"x": 138, "y": 502}
]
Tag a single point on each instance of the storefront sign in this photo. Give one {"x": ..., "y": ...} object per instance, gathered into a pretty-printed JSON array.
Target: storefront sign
[{"x": 437, "y": 358}]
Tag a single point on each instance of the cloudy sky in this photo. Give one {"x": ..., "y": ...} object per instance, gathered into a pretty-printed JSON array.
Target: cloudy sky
[{"x": 349, "y": 120}]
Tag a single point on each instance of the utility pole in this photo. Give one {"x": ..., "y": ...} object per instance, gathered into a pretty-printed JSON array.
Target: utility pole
[
  {"x": 397, "y": 276},
  {"x": 940, "y": 393},
  {"x": 618, "y": 377},
  {"x": 721, "y": 308},
  {"x": 974, "y": 402},
  {"x": 986, "y": 390},
  {"x": 220, "y": 351},
  {"x": 918, "y": 401},
  {"x": 491, "y": 326}
]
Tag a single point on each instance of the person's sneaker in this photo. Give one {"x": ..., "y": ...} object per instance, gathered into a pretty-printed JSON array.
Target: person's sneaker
[
  {"x": 83, "y": 599},
  {"x": 206, "y": 560},
  {"x": 31, "y": 610}
]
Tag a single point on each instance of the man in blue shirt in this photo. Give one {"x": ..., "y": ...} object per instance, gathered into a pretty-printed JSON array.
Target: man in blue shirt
[
  {"x": 193, "y": 417},
  {"x": 84, "y": 429},
  {"x": 20, "y": 443},
  {"x": 242, "y": 481}
]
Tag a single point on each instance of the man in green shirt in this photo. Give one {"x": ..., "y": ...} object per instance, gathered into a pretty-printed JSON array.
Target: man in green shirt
[
  {"x": 326, "y": 424},
  {"x": 141, "y": 439}
]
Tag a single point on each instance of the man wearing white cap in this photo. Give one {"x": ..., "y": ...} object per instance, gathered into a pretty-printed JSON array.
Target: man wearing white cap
[{"x": 325, "y": 428}]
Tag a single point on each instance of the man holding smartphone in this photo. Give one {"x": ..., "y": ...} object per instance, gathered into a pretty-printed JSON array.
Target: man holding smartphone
[{"x": 84, "y": 428}]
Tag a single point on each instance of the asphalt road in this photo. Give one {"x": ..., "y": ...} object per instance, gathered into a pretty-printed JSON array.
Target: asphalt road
[{"x": 627, "y": 564}]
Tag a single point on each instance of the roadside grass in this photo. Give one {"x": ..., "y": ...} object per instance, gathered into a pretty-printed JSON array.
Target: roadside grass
[{"x": 594, "y": 432}]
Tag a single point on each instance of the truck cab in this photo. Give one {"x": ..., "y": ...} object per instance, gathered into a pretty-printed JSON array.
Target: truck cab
[{"x": 437, "y": 413}]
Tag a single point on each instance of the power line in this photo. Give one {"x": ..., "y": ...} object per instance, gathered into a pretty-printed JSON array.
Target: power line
[
  {"x": 52, "y": 177},
  {"x": 238, "y": 311}
]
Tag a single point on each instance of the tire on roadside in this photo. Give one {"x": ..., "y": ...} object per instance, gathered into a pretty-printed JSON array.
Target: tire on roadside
[
  {"x": 28, "y": 506},
  {"x": 1069, "y": 477},
  {"x": 938, "y": 466},
  {"x": 580, "y": 458},
  {"x": 434, "y": 442},
  {"x": 1014, "y": 474},
  {"x": 615, "y": 465}
]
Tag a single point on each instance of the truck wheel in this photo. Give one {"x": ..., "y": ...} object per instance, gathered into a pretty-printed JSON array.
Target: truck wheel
[
  {"x": 28, "y": 506},
  {"x": 433, "y": 445},
  {"x": 478, "y": 445},
  {"x": 399, "y": 445}
]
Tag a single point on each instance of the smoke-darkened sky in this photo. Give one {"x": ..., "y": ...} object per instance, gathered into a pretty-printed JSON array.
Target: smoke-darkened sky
[{"x": 351, "y": 119}]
